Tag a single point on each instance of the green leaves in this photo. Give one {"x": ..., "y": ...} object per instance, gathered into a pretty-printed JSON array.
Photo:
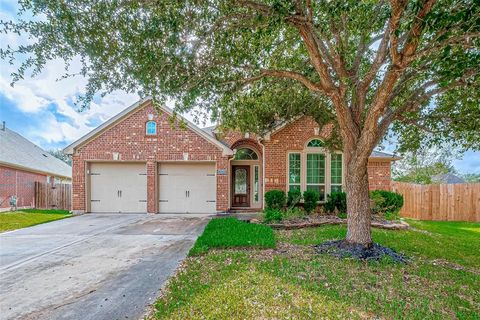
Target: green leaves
[{"x": 211, "y": 53}]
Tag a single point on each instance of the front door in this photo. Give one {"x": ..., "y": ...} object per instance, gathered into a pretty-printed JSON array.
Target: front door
[{"x": 241, "y": 186}]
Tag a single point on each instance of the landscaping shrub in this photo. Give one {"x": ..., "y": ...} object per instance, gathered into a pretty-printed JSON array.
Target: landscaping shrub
[
  {"x": 294, "y": 197},
  {"x": 272, "y": 215},
  {"x": 342, "y": 215},
  {"x": 275, "y": 199},
  {"x": 292, "y": 213},
  {"x": 230, "y": 233},
  {"x": 386, "y": 203},
  {"x": 310, "y": 200},
  {"x": 338, "y": 201}
]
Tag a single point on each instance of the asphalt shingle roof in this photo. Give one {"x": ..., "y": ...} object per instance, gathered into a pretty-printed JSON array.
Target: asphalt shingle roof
[
  {"x": 381, "y": 154},
  {"x": 447, "y": 178},
  {"x": 17, "y": 151}
]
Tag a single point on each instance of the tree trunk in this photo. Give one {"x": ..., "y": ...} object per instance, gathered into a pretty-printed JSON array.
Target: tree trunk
[{"x": 358, "y": 204}]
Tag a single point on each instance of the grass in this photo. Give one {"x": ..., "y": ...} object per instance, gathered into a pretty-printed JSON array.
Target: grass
[
  {"x": 50, "y": 211},
  {"x": 442, "y": 280},
  {"x": 230, "y": 232},
  {"x": 29, "y": 217}
]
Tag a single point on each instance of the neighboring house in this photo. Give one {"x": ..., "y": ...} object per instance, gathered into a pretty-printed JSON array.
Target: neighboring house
[
  {"x": 448, "y": 178},
  {"x": 138, "y": 162},
  {"x": 22, "y": 163}
]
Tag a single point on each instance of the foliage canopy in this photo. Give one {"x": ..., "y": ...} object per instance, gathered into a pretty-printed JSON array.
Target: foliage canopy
[{"x": 358, "y": 64}]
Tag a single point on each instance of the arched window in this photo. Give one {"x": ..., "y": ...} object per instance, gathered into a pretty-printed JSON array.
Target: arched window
[
  {"x": 315, "y": 143},
  {"x": 245, "y": 154},
  {"x": 151, "y": 128}
]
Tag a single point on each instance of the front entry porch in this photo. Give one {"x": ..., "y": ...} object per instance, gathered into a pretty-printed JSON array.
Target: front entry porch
[{"x": 246, "y": 181}]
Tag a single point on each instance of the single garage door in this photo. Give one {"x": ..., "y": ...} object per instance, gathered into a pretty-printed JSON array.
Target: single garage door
[
  {"x": 118, "y": 187},
  {"x": 187, "y": 188}
]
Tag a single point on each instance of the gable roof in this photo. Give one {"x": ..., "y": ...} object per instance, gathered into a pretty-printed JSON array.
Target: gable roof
[
  {"x": 134, "y": 107},
  {"x": 17, "y": 151},
  {"x": 384, "y": 155},
  {"x": 449, "y": 178},
  {"x": 278, "y": 125}
]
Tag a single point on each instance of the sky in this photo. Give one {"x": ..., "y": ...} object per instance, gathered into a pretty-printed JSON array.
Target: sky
[{"x": 42, "y": 109}]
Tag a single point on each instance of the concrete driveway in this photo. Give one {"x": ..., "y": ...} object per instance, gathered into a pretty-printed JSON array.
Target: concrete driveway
[{"x": 94, "y": 266}]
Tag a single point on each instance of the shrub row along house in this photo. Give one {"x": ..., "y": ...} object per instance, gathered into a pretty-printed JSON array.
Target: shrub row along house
[
  {"x": 139, "y": 162},
  {"x": 22, "y": 163}
]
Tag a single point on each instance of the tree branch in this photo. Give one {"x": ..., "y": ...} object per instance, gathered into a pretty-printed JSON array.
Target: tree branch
[
  {"x": 286, "y": 75},
  {"x": 420, "y": 96},
  {"x": 464, "y": 39}
]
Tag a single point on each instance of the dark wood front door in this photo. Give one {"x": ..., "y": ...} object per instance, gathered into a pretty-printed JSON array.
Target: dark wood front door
[{"x": 241, "y": 186}]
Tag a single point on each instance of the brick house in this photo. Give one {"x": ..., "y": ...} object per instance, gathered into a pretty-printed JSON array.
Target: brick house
[
  {"x": 139, "y": 161},
  {"x": 22, "y": 163}
]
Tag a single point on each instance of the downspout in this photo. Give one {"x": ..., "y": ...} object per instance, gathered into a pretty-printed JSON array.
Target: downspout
[
  {"x": 229, "y": 176},
  {"x": 263, "y": 173}
]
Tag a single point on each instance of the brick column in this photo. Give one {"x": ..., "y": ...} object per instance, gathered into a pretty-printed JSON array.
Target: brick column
[
  {"x": 78, "y": 185},
  {"x": 152, "y": 187},
  {"x": 222, "y": 184}
]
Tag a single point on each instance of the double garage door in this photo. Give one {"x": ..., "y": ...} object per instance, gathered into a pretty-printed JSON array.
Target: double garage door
[{"x": 182, "y": 187}]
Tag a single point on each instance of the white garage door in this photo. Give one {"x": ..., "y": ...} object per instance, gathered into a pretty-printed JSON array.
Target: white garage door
[
  {"x": 118, "y": 187},
  {"x": 187, "y": 188}
]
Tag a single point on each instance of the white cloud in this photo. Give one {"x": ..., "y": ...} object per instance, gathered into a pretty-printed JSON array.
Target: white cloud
[
  {"x": 34, "y": 95},
  {"x": 25, "y": 98}
]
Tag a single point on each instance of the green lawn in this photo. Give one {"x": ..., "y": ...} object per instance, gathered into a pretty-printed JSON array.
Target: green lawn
[
  {"x": 442, "y": 281},
  {"x": 29, "y": 217},
  {"x": 230, "y": 232}
]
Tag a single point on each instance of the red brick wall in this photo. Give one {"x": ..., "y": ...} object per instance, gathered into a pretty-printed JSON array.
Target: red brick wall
[
  {"x": 379, "y": 175},
  {"x": 20, "y": 183},
  {"x": 293, "y": 137},
  {"x": 128, "y": 138}
]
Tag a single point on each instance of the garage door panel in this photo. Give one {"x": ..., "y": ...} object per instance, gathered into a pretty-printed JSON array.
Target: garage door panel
[
  {"x": 118, "y": 187},
  {"x": 187, "y": 188}
]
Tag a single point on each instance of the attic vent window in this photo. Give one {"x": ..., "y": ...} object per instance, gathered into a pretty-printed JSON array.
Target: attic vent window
[{"x": 151, "y": 128}]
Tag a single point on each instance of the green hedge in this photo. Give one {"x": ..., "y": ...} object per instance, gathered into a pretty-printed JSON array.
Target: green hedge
[
  {"x": 275, "y": 199},
  {"x": 310, "y": 200}
]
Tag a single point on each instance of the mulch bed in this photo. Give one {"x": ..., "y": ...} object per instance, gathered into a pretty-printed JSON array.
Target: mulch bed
[
  {"x": 343, "y": 249},
  {"x": 316, "y": 221}
]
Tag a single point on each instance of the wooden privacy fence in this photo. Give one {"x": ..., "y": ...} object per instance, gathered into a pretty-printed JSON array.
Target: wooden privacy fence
[
  {"x": 446, "y": 202},
  {"x": 53, "y": 196}
]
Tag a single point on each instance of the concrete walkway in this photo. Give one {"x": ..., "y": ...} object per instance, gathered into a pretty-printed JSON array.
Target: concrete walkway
[{"x": 94, "y": 266}]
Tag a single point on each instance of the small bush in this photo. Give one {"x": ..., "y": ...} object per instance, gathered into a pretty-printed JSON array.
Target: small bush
[
  {"x": 310, "y": 199},
  {"x": 275, "y": 199},
  {"x": 376, "y": 202},
  {"x": 272, "y": 215},
  {"x": 294, "y": 197},
  {"x": 292, "y": 213},
  {"x": 342, "y": 215},
  {"x": 338, "y": 201},
  {"x": 386, "y": 203}
]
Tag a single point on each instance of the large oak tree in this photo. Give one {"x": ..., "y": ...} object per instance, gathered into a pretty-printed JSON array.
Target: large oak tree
[{"x": 369, "y": 67}]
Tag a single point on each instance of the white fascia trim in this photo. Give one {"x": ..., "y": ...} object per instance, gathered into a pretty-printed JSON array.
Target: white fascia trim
[{"x": 70, "y": 148}]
